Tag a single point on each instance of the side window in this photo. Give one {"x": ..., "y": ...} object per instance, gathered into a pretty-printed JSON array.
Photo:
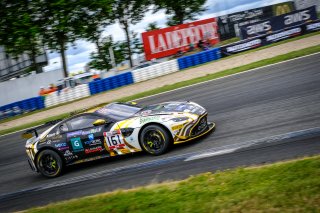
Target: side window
[{"x": 81, "y": 122}]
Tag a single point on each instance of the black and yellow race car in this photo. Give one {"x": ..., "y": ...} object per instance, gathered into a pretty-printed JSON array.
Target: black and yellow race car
[{"x": 115, "y": 129}]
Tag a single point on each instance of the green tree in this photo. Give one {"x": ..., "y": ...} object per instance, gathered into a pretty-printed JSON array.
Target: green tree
[
  {"x": 99, "y": 63},
  {"x": 128, "y": 12},
  {"x": 98, "y": 18},
  {"x": 62, "y": 23},
  {"x": 152, "y": 26},
  {"x": 20, "y": 30},
  {"x": 180, "y": 10}
]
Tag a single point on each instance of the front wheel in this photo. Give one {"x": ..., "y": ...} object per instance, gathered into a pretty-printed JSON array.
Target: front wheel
[
  {"x": 155, "y": 139},
  {"x": 49, "y": 163}
]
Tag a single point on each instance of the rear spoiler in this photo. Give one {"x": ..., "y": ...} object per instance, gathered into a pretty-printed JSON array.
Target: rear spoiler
[{"x": 30, "y": 132}]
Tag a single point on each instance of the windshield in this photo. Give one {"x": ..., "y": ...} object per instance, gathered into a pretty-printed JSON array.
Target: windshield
[{"x": 118, "y": 111}]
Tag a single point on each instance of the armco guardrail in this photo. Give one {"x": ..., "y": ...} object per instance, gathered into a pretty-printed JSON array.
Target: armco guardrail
[
  {"x": 155, "y": 71},
  {"x": 110, "y": 83},
  {"x": 21, "y": 107},
  {"x": 67, "y": 95},
  {"x": 199, "y": 58}
]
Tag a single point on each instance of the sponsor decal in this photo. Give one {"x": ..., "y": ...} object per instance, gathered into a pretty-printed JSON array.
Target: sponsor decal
[
  {"x": 76, "y": 144},
  {"x": 93, "y": 142},
  {"x": 112, "y": 133},
  {"x": 91, "y": 137},
  {"x": 61, "y": 146},
  {"x": 58, "y": 145},
  {"x": 144, "y": 120},
  {"x": 73, "y": 134},
  {"x": 72, "y": 157},
  {"x": 167, "y": 41},
  {"x": 91, "y": 131},
  {"x": 67, "y": 153},
  {"x": 93, "y": 149}
]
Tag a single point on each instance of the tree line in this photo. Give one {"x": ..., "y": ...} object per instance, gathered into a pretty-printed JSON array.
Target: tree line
[{"x": 29, "y": 26}]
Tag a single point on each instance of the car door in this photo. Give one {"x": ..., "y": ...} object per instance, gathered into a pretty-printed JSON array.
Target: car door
[{"x": 85, "y": 139}]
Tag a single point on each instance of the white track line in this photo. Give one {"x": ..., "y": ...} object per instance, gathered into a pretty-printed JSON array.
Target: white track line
[{"x": 251, "y": 70}]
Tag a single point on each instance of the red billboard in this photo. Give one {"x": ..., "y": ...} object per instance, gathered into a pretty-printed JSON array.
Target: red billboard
[{"x": 168, "y": 41}]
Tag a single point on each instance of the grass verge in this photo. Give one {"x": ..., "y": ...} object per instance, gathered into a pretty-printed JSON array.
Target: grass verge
[
  {"x": 291, "y": 186},
  {"x": 257, "y": 64}
]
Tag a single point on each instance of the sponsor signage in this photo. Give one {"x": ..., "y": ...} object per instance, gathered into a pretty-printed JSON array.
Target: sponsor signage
[
  {"x": 270, "y": 38},
  {"x": 278, "y": 23},
  {"x": 241, "y": 46},
  {"x": 314, "y": 26},
  {"x": 229, "y": 25},
  {"x": 168, "y": 41},
  {"x": 283, "y": 35}
]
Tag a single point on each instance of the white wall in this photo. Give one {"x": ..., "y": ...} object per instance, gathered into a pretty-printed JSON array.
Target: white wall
[{"x": 27, "y": 87}]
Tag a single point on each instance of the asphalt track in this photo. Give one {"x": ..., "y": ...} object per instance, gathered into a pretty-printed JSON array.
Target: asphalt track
[{"x": 259, "y": 116}]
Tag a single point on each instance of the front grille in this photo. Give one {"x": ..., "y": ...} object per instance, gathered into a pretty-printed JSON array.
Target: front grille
[{"x": 200, "y": 126}]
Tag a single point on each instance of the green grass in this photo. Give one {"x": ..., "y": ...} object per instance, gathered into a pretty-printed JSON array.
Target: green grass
[
  {"x": 261, "y": 63},
  {"x": 292, "y": 186}
]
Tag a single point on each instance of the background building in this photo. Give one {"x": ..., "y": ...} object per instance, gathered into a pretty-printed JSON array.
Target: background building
[{"x": 15, "y": 67}]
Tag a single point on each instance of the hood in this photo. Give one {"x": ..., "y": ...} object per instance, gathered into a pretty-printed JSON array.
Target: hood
[{"x": 172, "y": 107}]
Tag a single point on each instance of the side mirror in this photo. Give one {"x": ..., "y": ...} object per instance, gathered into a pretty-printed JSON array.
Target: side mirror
[
  {"x": 27, "y": 135},
  {"x": 99, "y": 122}
]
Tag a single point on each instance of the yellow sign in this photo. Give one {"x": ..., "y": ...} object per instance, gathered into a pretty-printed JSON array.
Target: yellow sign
[{"x": 280, "y": 9}]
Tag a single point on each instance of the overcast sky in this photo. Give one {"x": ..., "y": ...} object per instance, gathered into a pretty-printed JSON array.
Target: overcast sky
[{"x": 79, "y": 56}]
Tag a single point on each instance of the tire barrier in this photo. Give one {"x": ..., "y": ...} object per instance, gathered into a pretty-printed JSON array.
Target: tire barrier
[
  {"x": 21, "y": 107},
  {"x": 67, "y": 95},
  {"x": 154, "y": 71},
  {"x": 110, "y": 83},
  {"x": 199, "y": 58}
]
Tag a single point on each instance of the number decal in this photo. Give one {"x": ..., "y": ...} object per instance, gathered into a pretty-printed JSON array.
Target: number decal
[{"x": 114, "y": 141}]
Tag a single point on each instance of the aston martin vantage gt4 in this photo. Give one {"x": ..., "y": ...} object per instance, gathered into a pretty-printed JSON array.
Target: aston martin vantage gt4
[{"x": 115, "y": 129}]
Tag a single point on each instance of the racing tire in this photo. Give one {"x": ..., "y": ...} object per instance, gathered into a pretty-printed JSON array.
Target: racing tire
[
  {"x": 155, "y": 140},
  {"x": 49, "y": 163}
]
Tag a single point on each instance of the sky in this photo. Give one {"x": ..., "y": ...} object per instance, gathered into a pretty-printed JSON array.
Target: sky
[{"x": 79, "y": 56}]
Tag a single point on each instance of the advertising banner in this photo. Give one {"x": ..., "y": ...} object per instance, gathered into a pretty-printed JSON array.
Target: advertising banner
[
  {"x": 242, "y": 46},
  {"x": 229, "y": 25},
  {"x": 285, "y": 34},
  {"x": 270, "y": 38},
  {"x": 312, "y": 27},
  {"x": 168, "y": 41},
  {"x": 277, "y": 23}
]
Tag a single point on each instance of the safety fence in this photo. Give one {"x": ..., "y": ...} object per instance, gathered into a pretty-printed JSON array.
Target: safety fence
[
  {"x": 21, "y": 107},
  {"x": 66, "y": 95},
  {"x": 110, "y": 83},
  {"x": 199, "y": 58},
  {"x": 154, "y": 71}
]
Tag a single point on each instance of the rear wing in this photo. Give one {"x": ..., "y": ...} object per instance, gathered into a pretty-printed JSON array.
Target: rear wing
[{"x": 34, "y": 131}]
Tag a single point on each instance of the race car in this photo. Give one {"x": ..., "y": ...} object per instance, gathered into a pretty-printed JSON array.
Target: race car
[{"x": 115, "y": 129}]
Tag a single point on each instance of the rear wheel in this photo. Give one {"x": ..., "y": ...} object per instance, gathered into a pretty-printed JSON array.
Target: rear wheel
[
  {"x": 155, "y": 139},
  {"x": 49, "y": 163}
]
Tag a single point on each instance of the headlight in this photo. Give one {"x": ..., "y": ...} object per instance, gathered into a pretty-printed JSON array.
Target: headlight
[
  {"x": 179, "y": 119},
  {"x": 126, "y": 132}
]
